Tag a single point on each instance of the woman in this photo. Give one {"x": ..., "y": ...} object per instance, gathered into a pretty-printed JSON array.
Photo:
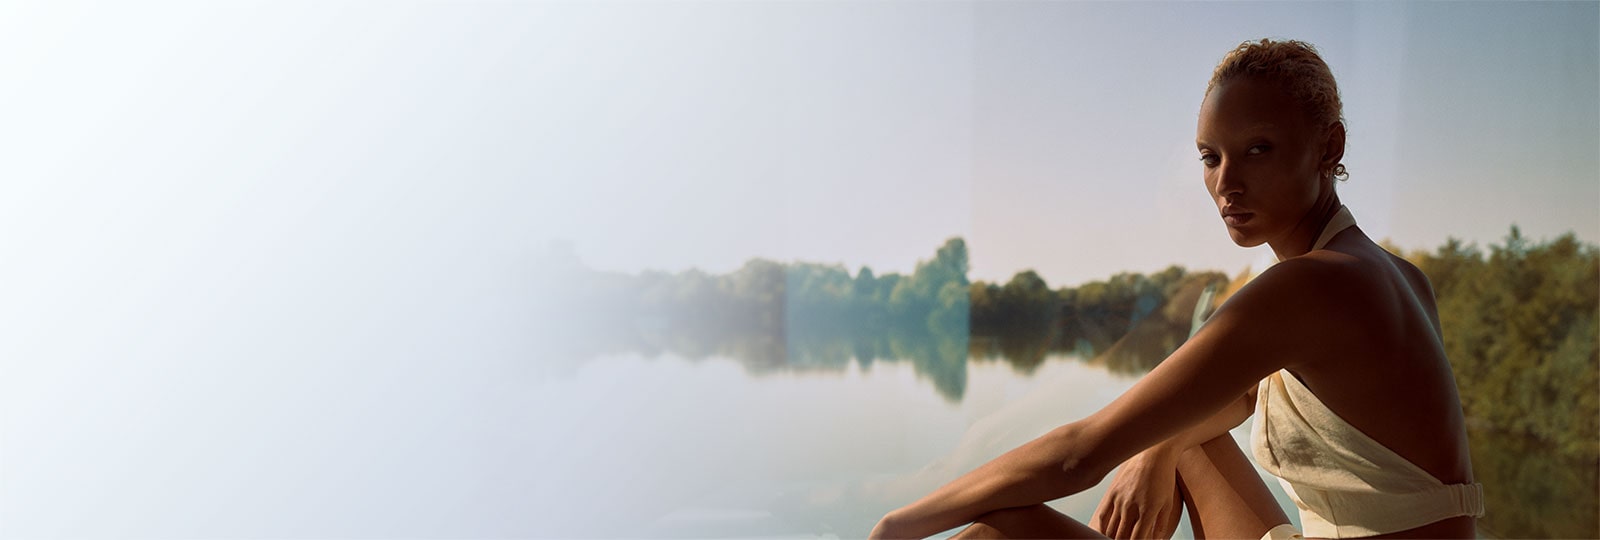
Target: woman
[{"x": 1336, "y": 349}]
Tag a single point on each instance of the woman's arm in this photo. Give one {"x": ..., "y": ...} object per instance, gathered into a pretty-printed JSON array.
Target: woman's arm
[
  {"x": 1248, "y": 338},
  {"x": 1039, "y": 470},
  {"x": 1223, "y": 421},
  {"x": 1142, "y": 501},
  {"x": 1044, "y": 469}
]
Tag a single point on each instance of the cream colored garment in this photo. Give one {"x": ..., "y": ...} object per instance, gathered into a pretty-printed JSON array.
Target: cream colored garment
[
  {"x": 1283, "y": 532},
  {"x": 1344, "y": 483},
  {"x": 1341, "y": 220}
]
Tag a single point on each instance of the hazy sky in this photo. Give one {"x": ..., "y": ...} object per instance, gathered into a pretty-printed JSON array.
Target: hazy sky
[{"x": 1052, "y": 135}]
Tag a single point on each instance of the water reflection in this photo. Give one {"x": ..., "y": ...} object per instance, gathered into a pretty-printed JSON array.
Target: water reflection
[
  {"x": 715, "y": 450},
  {"x": 882, "y": 446},
  {"x": 912, "y": 380}
]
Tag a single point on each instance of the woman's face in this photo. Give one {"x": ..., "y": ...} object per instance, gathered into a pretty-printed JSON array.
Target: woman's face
[{"x": 1261, "y": 159}]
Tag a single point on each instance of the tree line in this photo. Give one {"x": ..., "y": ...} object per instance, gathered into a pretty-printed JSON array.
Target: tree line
[{"x": 1519, "y": 322}]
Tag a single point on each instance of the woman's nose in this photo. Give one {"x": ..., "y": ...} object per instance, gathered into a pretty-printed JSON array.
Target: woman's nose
[{"x": 1228, "y": 182}]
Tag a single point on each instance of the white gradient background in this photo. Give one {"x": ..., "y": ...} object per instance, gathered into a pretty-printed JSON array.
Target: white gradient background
[{"x": 266, "y": 266}]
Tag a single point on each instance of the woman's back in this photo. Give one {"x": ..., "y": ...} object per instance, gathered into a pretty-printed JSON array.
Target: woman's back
[
  {"x": 1383, "y": 369},
  {"x": 1381, "y": 365}
]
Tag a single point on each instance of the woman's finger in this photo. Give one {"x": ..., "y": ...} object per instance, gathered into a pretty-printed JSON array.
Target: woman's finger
[
  {"x": 1162, "y": 523},
  {"x": 1175, "y": 514},
  {"x": 1150, "y": 526},
  {"x": 1168, "y": 522},
  {"x": 1140, "y": 528},
  {"x": 1098, "y": 520},
  {"x": 1130, "y": 520}
]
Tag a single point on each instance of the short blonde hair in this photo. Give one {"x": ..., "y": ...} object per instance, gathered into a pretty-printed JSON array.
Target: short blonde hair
[{"x": 1297, "y": 66}]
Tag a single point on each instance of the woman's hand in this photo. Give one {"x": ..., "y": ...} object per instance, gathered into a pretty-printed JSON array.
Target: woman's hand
[{"x": 1142, "y": 501}]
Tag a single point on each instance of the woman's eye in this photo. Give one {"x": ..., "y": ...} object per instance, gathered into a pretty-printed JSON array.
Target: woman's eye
[
  {"x": 1257, "y": 149},
  {"x": 1209, "y": 159}
]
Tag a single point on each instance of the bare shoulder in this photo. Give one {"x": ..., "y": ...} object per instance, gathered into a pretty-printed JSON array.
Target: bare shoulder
[
  {"x": 1415, "y": 276},
  {"x": 1363, "y": 276},
  {"x": 1306, "y": 302},
  {"x": 1421, "y": 290},
  {"x": 1316, "y": 280}
]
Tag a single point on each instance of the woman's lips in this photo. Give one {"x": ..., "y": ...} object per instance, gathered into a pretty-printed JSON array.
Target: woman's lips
[{"x": 1236, "y": 220}]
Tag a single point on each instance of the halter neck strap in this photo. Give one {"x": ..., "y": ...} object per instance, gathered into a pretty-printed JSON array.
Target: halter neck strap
[{"x": 1341, "y": 221}]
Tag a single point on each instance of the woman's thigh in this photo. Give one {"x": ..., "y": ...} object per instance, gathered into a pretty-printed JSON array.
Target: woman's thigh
[
  {"x": 1224, "y": 495},
  {"x": 1037, "y": 521}
]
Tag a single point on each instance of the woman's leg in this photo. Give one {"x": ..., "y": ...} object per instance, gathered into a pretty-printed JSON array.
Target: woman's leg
[
  {"x": 1224, "y": 495},
  {"x": 1216, "y": 482},
  {"x": 1037, "y": 521}
]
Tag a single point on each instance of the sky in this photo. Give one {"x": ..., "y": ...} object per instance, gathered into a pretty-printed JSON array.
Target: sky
[{"x": 1054, "y": 136}]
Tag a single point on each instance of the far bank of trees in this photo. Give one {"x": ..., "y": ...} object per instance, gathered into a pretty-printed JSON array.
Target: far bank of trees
[
  {"x": 1519, "y": 326},
  {"x": 800, "y": 315},
  {"x": 1131, "y": 321},
  {"x": 1520, "y": 322}
]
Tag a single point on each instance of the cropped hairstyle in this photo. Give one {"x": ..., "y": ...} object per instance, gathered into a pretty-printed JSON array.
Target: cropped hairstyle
[{"x": 1295, "y": 65}]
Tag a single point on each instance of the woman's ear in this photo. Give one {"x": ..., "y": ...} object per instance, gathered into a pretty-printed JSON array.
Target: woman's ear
[{"x": 1332, "y": 146}]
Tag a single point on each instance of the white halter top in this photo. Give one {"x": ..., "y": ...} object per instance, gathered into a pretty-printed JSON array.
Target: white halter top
[
  {"x": 1341, "y": 221},
  {"x": 1344, "y": 483}
]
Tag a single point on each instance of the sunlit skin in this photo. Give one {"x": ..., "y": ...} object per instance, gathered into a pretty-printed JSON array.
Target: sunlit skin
[{"x": 1356, "y": 324}]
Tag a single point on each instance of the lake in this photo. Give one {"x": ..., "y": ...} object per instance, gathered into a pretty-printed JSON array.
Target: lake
[
  {"x": 622, "y": 445},
  {"x": 671, "y": 448},
  {"x": 674, "y": 448}
]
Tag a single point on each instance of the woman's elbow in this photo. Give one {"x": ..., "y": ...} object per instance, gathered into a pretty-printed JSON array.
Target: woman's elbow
[{"x": 1083, "y": 459}]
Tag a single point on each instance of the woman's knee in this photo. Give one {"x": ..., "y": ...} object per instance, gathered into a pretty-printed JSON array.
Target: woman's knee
[
  {"x": 994, "y": 524},
  {"x": 977, "y": 529},
  {"x": 1012, "y": 518},
  {"x": 1224, "y": 495},
  {"x": 1034, "y": 521}
]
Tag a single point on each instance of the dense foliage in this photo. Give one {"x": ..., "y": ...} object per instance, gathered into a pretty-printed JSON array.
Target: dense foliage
[{"x": 1520, "y": 330}]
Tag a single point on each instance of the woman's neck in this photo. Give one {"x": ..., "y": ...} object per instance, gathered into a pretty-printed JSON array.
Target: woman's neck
[{"x": 1300, "y": 239}]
